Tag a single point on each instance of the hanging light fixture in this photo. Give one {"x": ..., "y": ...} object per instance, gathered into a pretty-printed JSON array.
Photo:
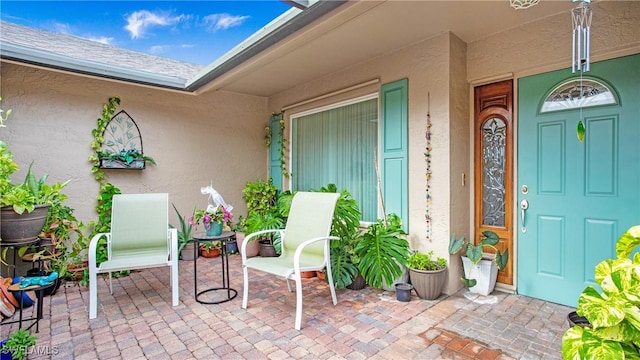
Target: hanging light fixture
[
  {"x": 581, "y": 17},
  {"x": 522, "y": 4}
]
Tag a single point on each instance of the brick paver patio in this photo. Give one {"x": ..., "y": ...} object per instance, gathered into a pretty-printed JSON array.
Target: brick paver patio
[{"x": 138, "y": 322}]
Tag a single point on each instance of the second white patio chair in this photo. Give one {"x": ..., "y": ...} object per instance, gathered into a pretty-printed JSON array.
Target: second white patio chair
[
  {"x": 140, "y": 238},
  {"x": 305, "y": 245}
]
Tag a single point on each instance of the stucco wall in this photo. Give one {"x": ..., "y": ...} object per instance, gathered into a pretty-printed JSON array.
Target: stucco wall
[
  {"x": 428, "y": 68},
  {"x": 195, "y": 140}
]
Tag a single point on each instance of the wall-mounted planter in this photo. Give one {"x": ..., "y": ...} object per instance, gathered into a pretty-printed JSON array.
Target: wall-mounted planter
[
  {"x": 122, "y": 146},
  {"x": 119, "y": 164}
]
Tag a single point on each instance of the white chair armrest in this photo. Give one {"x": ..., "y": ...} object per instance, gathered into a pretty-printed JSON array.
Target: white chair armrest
[
  {"x": 247, "y": 239},
  {"x": 300, "y": 248},
  {"x": 93, "y": 247}
]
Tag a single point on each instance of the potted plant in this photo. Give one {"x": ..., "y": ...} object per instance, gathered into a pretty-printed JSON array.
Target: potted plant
[
  {"x": 263, "y": 214},
  {"x": 613, "y": 312},
  {"x": 25, "y": 206},
  {"x": 18, "y": 344},
  {"x": 185, "y": 241},
  {"x": 124, "y": 159},
  {"x": 480, "y": 269},
  {"x": 240, "y": 228},
  {"x": 383, "y": 252},
  {"x": 210, "y": 249},
  {"x": 213, "y": 219},
  {"x": 427, "y": 274}
]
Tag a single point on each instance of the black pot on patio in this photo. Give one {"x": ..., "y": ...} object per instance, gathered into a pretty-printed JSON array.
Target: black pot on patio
[
  {"x": 267, "y": 249},
  {"x": 576, "y": 320}
]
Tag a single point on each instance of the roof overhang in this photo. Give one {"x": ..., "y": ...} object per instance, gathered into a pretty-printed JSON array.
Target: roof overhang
[
  {"x": 24, "y": 55},
  {"x": 318, "y": 38}
]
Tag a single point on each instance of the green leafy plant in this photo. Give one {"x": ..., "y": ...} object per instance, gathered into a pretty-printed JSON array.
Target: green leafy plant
[
  {"x": 25, "y": 196},
  {"x": 383, "y": 251},
  {"x": 345, "y": 225},
  {"x": 208, "y": 245},
  {"x": 474, "y": 252},
  {"x": 4, "y": 115},
  {"x": 126, "y": 156},
  {"x": 19, "y": 343},
  {"x": 614, "y": 313},
  {"x": 184, "y": 230},
  {"x": 263, "y": 212},
  {"x": 425, "y": 261},
  {"x": 282, "y": 142}
]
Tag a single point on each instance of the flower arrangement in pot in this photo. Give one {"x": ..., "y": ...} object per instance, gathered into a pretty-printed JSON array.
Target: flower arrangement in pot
[
  {"x": 217, "y": 213},
  {"x": 212, "y": 219},
  {"x": 427, "y": 274}
]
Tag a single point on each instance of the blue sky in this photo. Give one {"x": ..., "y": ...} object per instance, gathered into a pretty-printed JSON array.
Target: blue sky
[{"x": 194, "y": 31}]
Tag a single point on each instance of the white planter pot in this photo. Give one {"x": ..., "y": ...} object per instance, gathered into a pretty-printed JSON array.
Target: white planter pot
[{"x": 485, "y": 273}]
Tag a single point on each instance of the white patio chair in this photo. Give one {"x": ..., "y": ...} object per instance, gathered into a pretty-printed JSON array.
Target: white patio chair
[
  {"x": 305, "y": 245},
  {"x": 140, "y": 238}
]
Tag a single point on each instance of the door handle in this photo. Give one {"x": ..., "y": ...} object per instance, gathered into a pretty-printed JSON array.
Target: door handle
[{"x": 524, "y": 205}]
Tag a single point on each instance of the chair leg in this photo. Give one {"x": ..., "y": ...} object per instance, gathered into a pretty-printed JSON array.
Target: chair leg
[
  {"x": 175, "y": 288},
  {"x": 245, "y": 292},
  {"x": 93, "y": 292},
  {"x": 298, "y": 281},
  {"x": 110, "y": 283},
  {"x": 331, "y": 286}
]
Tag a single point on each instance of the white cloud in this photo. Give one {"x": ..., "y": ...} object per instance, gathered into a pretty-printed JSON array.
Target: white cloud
[
  {"x": 159, "y": 49},
  {"x": 223, "y": 21},
  {"x": 102, "y": 39},
  {"x": 140, "y": 21}
]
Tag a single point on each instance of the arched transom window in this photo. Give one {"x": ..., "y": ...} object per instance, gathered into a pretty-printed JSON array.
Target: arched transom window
[{"x": 577, "y": 93}]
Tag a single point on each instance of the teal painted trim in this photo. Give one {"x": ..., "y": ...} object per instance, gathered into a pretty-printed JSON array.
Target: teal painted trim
[
  {"x": 274, "y": 151},
  {"x": 394, "y": 149}
]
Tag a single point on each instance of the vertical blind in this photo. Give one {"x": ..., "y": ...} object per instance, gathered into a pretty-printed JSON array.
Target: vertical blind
[{"x": 337, "y": 146}]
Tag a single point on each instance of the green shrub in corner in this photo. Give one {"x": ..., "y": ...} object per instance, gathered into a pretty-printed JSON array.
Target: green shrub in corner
[
  {"x": 614, "y": 313},
  {"x": 18, "y": 344},
  {"x": 425, "y": 262}
]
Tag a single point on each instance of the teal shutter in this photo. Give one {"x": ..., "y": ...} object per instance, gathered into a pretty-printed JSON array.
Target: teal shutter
[
  {"x": 275, "y": 172},
  {"x": 394, "y": 149}
]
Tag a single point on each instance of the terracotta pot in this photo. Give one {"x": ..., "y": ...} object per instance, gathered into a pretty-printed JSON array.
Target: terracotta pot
[
  {"x": 253, "y": 248},
  {"x": 210, "y": 253},
  {"x": 321, "y": 275},
  {"x": 77, "y": 270},
  {"x": 187, "y": 252},
  {"x": 307, "y": 274}
]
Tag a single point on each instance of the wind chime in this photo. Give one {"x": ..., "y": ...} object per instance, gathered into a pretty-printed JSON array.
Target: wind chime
[
  {"x": 581, "y": 46},
  {"x": 581, "y": 17},
  {"x": 427, "y": 158}
]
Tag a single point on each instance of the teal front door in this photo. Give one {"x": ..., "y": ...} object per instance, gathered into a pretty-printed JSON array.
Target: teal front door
[{"x": 580, "y": 196}]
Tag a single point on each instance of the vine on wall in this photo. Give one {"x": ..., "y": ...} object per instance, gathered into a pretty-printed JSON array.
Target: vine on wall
[{"x": 282, "y": 142}]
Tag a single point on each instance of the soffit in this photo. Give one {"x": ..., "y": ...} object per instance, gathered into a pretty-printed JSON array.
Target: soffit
[{"x": 361, "y": 30}]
